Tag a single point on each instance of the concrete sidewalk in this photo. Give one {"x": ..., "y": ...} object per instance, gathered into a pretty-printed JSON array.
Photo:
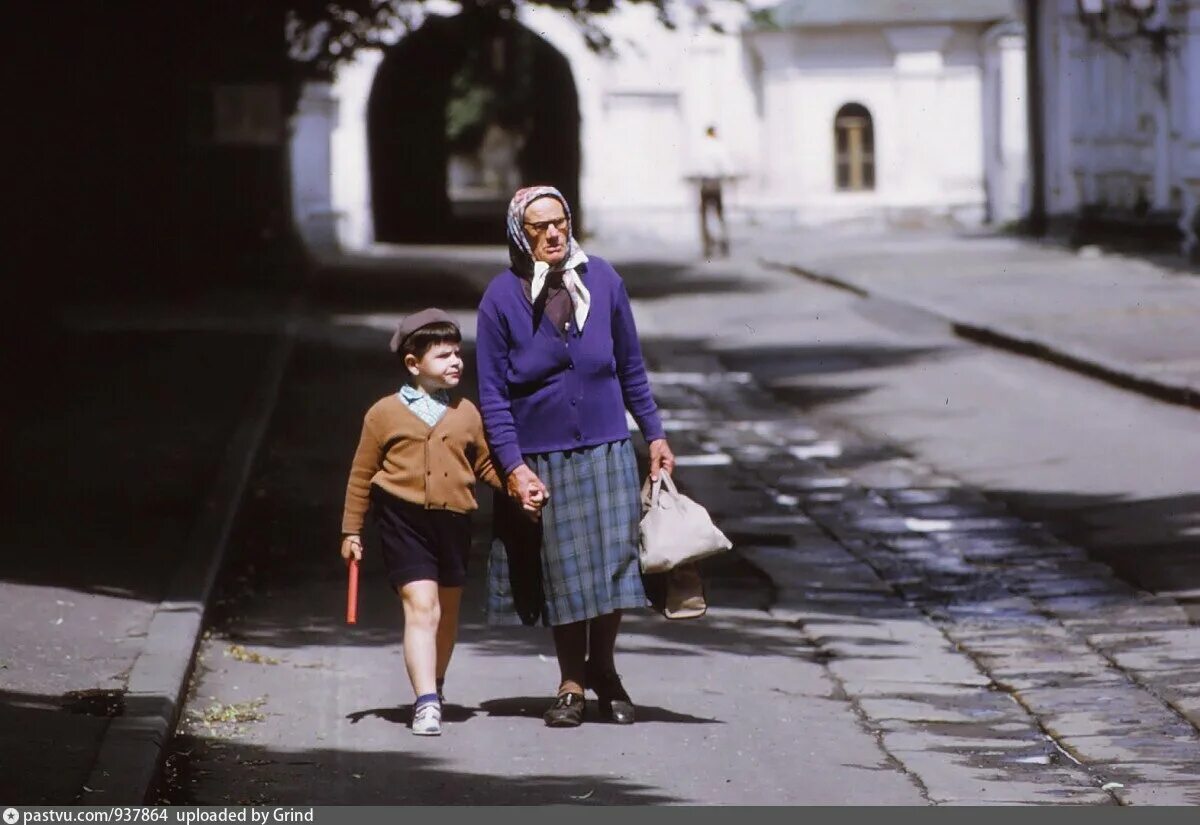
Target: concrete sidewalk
[{"x": 1122, "y": 319}]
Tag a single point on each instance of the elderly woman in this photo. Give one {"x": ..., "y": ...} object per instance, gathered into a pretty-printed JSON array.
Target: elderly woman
[{"x": 559, "y": 364}]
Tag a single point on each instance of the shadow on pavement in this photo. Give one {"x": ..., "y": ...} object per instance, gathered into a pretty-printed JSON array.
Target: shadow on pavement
[
  {"x": 47, "y": 744},
  {"x": 649, "y": 280},
  {"x": 347, "y": 287},
  {"x": 107, "y": 467},
  {"x": 532, "y": 707},
  {"x": 296, "y": 777},
  {"x": 402, "y": 715},
  {"x": 1151, "y": 543}
]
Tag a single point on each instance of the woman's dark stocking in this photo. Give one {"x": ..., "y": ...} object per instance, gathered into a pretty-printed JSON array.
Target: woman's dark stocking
[
  {"x": 602, "y": 641},
  {"x": 571, "y": 646}
]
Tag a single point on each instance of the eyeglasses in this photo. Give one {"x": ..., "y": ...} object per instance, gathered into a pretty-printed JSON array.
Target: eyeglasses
[{"x": 540, "y": 227}]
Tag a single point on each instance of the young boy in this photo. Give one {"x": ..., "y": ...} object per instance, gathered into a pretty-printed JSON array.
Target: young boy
[{"x": 418, "y": 457}]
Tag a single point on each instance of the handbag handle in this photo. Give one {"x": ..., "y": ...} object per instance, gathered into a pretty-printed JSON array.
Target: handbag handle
[{"x": 652, "y": 489}]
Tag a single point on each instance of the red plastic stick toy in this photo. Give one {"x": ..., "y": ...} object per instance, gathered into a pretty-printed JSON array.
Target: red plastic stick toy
[{"x": 352, "y": 594}]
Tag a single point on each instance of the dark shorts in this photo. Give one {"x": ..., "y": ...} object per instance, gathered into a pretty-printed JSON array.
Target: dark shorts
[{"x": 421, "y": 544}]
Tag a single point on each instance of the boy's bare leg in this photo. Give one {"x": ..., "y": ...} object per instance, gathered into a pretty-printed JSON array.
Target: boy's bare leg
[
  {"x": 421, "y": 615},
  {"x": 449, "y": 599}
]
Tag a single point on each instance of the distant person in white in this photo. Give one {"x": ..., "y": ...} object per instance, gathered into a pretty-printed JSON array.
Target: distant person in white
[{"x": 712, "y": 166}]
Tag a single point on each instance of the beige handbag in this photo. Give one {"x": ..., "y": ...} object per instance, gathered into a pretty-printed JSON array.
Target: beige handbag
[{"x": 675, "y": 530}]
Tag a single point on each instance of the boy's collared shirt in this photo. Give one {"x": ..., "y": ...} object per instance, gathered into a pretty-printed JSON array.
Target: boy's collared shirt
[{"x": 429, "y": 407}]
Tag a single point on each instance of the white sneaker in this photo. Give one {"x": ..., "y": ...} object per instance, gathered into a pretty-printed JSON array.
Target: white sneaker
[{"x": 427, "y": 720}]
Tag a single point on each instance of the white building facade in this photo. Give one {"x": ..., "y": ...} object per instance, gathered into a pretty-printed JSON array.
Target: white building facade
[
  {"x": 939, "y": 86},
  {"x": 1120, "y": 105},
  {"x": 877, "y": 110}
]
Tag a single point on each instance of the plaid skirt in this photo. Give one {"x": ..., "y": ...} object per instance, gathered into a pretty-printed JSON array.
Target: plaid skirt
[{"x": 581, "y": 561}]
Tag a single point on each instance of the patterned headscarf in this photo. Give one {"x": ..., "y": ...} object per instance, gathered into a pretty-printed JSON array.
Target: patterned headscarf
[
  {"x": 521, "y": 253},
  {"x": 519, "y": 250}
]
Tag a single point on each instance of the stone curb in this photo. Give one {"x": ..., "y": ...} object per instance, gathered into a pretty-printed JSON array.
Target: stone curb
[
  {"x": 134, "y": 745},
  {"x": 1077, "y": 359}
]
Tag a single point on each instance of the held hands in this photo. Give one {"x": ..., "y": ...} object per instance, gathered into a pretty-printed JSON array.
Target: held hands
[
  {"x": 352, "y": 548},
  {"x": 661, "y": 458},
  {"x": 525, "y": 487}
]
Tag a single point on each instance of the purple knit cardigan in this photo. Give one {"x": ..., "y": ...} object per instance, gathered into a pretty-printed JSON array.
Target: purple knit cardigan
[{"x": 541, "y": 392}]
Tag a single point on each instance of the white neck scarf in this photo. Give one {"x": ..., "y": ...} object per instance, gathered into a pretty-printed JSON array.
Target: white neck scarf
[{"x": 581, "y": 299}]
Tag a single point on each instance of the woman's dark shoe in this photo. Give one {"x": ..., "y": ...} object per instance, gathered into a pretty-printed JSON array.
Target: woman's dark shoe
[
  {"x": 566, "y": 712},
  {"x": 614, "y": 702}
]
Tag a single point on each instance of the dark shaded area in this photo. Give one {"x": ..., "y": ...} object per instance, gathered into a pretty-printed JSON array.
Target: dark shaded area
[
  {"x": 1152, "y": 543},
  {"x": 406, "y": 126},
  {"x": 402, "y": 715},
  {"x": 94, "y": 702},
  {"x": 347, "y": 289},
  {"x": 532, "y": 707},
  {"x": 106, "y": 470},
  {"x": 125, "y": 180},
  {"x": 339, "y": 777},
  {"x": 771, "y": 363},
  {"x": 647, "y": 280},
  {"x": 41, "y": 743},
  {"x": 1137, "y": 230}
]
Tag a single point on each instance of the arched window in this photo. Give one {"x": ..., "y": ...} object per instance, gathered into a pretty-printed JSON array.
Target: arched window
[{"x": 854, "y": 142}]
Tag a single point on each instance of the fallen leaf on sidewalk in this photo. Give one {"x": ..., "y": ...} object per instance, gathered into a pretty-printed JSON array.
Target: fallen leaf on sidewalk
[
  {"x": 219, "y": 712},
  {"x": 242, "y": 655}
]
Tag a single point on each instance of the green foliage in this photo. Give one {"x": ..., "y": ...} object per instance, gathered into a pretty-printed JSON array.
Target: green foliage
[
  {"x": 764, "y": 19},
  {"x": 493, "y": 85},
  {"x": 325, "y": 33},
  {"x": 468, "y": 111}
]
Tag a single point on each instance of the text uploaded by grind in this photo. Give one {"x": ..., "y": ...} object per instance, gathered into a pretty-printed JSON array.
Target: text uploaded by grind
[{"x": 183, "y": 816}]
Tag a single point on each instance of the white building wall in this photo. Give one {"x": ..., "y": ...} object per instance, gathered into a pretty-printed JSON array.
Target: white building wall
[
  {"x": 1114, "y": 140},
  {"x": 1008, "y": 164},
  {"x": 351, "y": 168},
  {"x": 923, "y": 87},
  {"x": 311, "y": 166}
]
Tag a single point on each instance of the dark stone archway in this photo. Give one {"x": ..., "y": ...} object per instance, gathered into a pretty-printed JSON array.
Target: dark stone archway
[{"x": 407, "y": 128}]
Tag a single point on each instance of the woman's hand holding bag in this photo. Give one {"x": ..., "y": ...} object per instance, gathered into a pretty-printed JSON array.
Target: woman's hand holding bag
[{"x": 674, "y": 529}]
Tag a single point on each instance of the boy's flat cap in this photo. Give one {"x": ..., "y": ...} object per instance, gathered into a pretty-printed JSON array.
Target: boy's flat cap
[{"x": 411, "y": 323}]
